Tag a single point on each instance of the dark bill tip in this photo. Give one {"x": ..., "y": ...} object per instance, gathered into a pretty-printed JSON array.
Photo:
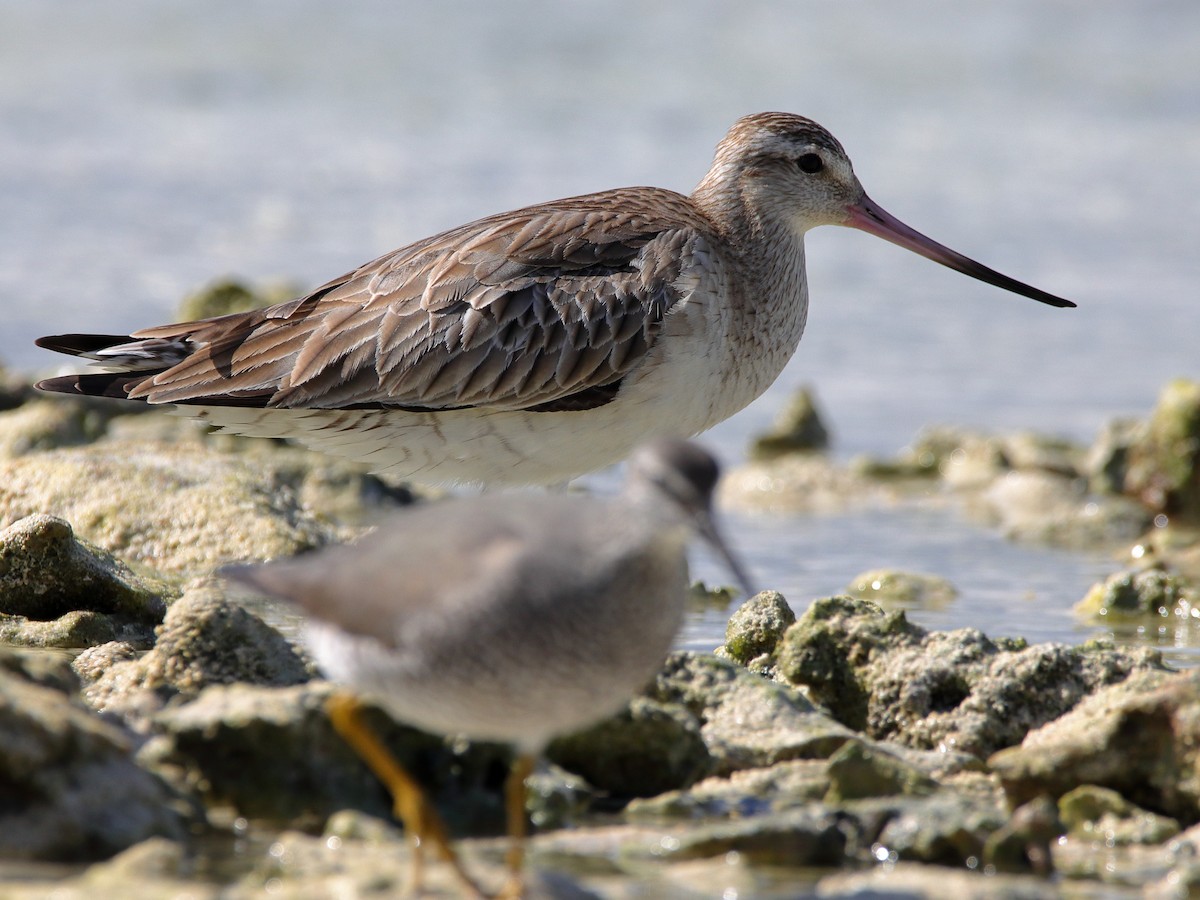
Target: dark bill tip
[{"x": 868, "y": 216}]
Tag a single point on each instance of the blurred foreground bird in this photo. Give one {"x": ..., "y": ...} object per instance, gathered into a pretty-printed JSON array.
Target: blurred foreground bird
[
  {"x": 537, "y": 345},
  {"x": 503, "y": 618}
]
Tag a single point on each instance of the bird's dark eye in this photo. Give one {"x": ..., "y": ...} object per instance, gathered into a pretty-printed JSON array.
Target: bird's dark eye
[{"x": 810, "y": 163}]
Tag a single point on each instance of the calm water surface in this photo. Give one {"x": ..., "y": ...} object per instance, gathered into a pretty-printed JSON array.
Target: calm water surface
[{"x": 148, "y": 148}]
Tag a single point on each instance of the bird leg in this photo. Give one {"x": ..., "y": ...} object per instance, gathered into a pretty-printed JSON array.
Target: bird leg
[
  {"x": 411, "y": 806},
  {"x": 514, "y": 796}
]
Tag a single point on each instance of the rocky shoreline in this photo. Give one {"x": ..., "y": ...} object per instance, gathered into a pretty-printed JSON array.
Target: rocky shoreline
[{"x": 162, "y": 737}]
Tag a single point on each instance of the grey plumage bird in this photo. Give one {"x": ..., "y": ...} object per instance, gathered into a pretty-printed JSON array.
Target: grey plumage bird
[
  {"x": 532, "y": 346},
  {"x": 505, "y": 618}
]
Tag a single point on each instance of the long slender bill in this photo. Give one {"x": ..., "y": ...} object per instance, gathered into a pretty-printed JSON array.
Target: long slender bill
[
  {"x": 868, "y": 216},
  {"x": 707, "y": 529}
]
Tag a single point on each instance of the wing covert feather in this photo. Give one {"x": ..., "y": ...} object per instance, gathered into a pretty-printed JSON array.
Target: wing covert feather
[{"x": 516, "y": 311}]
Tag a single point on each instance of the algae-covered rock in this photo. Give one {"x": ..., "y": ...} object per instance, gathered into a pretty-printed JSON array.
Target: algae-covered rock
[
  {"x": 59, "y": 591},
  {"x": 1163, "y": 466},
  {"x": 177, "y": 508},
  {"x": 830, "y": 647},
  {"x": 1051, "y": 508},
  {"x": 80, "y": 628},
  {"x": 263, "y": 752},
  {"x": 904, "y": 589},
  {"x": 1138, "y": 738},
  {"x": 745, "y": 720},
  {"x": 69, "y": 789},
  {"x": 805, "y": 836},
  {"x": 1023, "y": 843},
  {"x": 741, "y": 794},
  {"x": 878, "y": 673},
  {"x": 1140, "y": 593},
  {"x": 648, "y": 748},
  {"x": 52, "y": 670},
  {"x": 945, "y": 828},
  {"x": 152, "y": 870},
  {"x": 960, "y": 456},
  {"x": 794, "y": 482},
  {"x": 702, "y": 715},
  {"x": 756, "y": 627},
  {"x": 271, "y": 753},
  {"x": 1102, "y": 814},
  {"x": 46, "y": 571},
  {"x": 44, "y": 424},
  {"x": 205, "y": 639},
  {"x": 798, "y": 429},
  {"x": 858, "y": 771}
]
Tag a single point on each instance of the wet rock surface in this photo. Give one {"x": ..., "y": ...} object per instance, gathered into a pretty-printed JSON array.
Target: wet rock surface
[
  {"x": 731, "y": 765},
  {"x": 205, "y": 639},
  {"x": 57, "y": 590},
  {"x": 177, "y": 508},
  {"x": 1034, "y": 488},
  {"x": 69, "y": 786},
  {"x": 839, "y": 753},
  {"x": 879, "y": 673}
]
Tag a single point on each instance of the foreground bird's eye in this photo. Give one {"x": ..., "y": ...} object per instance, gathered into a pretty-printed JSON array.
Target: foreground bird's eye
[{"x": 810, "y": 163}]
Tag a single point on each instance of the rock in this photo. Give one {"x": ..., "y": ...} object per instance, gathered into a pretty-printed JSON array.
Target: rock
[
  {"x": 1163, "y": 465},
  {"x": 270, "y": 753},
  {"x": 1107, "y": 460},
  {"x": 46, "y": 571},
  {"x": 890, "y": 587},
  {"x": 799, "y": 483},
  {"x": 701, "y": 597},
  {"x": 829, "y": 648},
  {"x": 741, "y": 794},
  {"x": 14, "y": 390},
  {"x": 701, "y": 716},
  {"x": 205, "y": 639},
  {"x": 1138, "y": 738},
  {"x": 69, "y": 788},
  {"x": 961, "y": 457},
  {"x": 745, "y": 721},
  {"x": 154, "y": 869},
  {"x": 649, "y": 748},
  {"x": 59, "y": 591},
  {"x": 52, "y": 670},
  {"x": 1174, "y": 547},
  {"x": 806, "y": 836},
  {"x": 227, "y": 296},
  {"x": 1026, "y": 450},
  {"x": 878, "y": 673},
  {"x": 82, "y": 628},
  {"x": 1141, "y": 593},
  {"x": 943, "y": 828},
  {"x": 176, "y": 507},
  {"x": 1023, "y": 843},
  {"x": 43, "y": 424},
  {"x": 911, "y": 880},
  {"x": 556, "y": 798},
  {"x": 858, "y": 771},
  {"x": 1102, "y": 814},
  {"x": 1049, "y": 508},
  {"x": 797, "y": 429},
  {"x": 756, "y": 627}
]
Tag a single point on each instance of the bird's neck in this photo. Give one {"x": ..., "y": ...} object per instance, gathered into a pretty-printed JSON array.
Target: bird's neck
[{"x": 769, "y": 295}]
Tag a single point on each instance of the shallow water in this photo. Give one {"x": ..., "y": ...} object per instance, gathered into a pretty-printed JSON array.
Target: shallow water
[{"x": 149, "y": 148}]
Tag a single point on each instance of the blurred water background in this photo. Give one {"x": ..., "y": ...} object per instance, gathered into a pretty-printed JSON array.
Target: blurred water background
[{"x": 148, "y": 148}]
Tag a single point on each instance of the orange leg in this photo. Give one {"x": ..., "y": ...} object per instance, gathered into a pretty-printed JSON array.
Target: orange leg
[
  {"x": 421, "y": 821},
  {"x": 514, "y": 795}
]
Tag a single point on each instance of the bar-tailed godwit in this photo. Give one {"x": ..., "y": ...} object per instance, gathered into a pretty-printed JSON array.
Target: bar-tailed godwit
[{"x": 532, "y": 346}]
